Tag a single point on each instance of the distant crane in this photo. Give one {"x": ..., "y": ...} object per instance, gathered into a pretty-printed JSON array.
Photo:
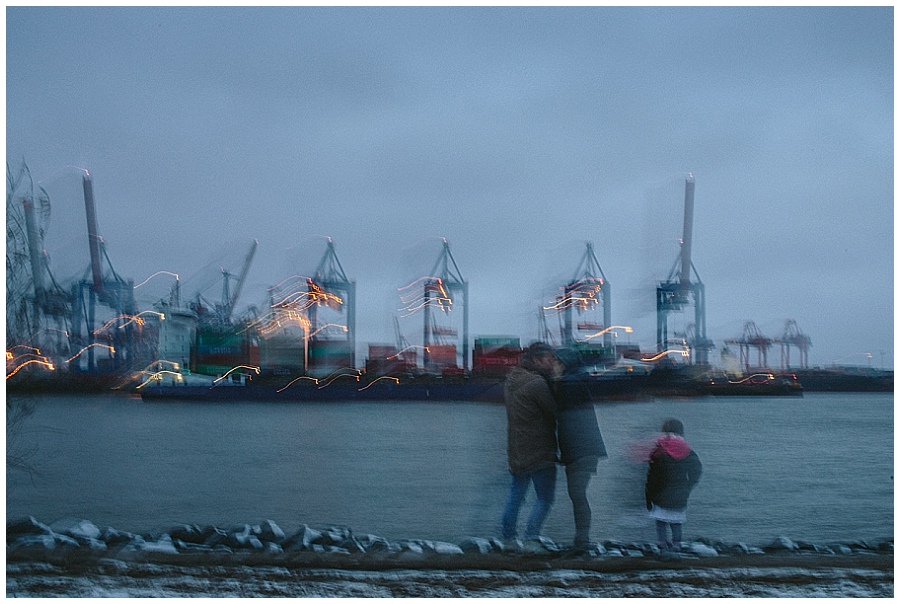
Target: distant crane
[
  {"x": 752, "y": 337},
  {"x": 546, "y": 334},
  {"x": 446, "y": 277},
  {"x": 582, "y": 293},
  {"x": 108, "y": 289},
  {"x": 229, "y": 298},
  {"x": 34, "y": 298},
  {"x": 330, "y": 277},
  {"x": 678, "y": 289},
  {"x": 792, "y": 336}
]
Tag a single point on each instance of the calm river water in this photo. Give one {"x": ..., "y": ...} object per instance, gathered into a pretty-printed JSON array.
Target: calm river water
[{"x": 817, "y": 468}]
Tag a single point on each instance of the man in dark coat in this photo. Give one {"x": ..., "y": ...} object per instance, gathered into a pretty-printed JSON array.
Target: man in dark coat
[
  {"x": 531, "y": 437},
  {"x": 674, "y": 471},
  {"x": 580, "y": 442}
]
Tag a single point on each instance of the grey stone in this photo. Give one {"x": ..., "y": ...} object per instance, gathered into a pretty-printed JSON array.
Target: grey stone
[
  {"x": 213, "y": 536},
  {"x": 76, "y": 528},
  {"x": 27, "y": 526},
  {"x": 163, "y": 546},
  {"x": 47, "y": 542},
  {"x": 115, "y": 538},
  {"x": 443, "y": 548},
  {"x": 782, "y": 544},
  {"x": 189, "y": 533},
  {"x": 274, "y": 548},
  {"x": 476, "y": 545},
  {"x": 701, "y": 549},
  {"x": 271, "y": 532}
]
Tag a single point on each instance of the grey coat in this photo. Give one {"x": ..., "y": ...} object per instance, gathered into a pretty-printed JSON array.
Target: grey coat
[{"x": 579, "y": 432}]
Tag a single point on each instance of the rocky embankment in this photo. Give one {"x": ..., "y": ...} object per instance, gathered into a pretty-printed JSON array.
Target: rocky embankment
[{"x": 77, "y": 558}]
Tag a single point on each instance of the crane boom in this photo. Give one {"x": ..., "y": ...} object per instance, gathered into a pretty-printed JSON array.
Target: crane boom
[
  {"x": 240, "y": 284},
  {"x": 687, "y": 234}
]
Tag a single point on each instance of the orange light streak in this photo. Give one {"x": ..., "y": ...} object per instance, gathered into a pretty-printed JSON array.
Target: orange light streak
[
  {"x": 80, "y": 352},
  {"x": 344, "y": 327},
  {"x": 36, "y": 350},
  {"x": 148, "y": 368},
  {"x": 302, "y": 377},
  {"x": 137, "y": 318},
  {"x": 384, "y": 377},
  {"x": 45, "y": 363},
  {"x": 625, "y": 328},
  {"x": 749, "y": 378},
  {"x": 39, "y": 357},
  {"x": 331, "y": 381},
  {"x": 399, "y": 353},
  {"x": 415, "y": 301},
  {"x": 156, "y": 376},
  {"x": 683, "y": 353},
  {"x": 256, "y": 369}
]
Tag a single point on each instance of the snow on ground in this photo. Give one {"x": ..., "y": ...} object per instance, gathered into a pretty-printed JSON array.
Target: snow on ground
[
  {"x": 75, "y": 558},
  {"x": 119, "y": 579}
]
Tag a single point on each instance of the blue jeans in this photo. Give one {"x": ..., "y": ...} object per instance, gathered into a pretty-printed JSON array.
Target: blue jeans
[{"x": 544, "y": 481}]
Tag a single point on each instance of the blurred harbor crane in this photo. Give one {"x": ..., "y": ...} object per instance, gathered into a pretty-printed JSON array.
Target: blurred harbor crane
[
  {"x": 230, "y": 298},
  {"x": 444, "y": 281},
  {"x": 329, "y": 278},
  {"x": 38, "y": 310},
  {"x": 792, "y": 336},
  {"x": 752, "y": 337},
  {"x": 581, "y": 294},
  {"x": 546, "y": 334},
  {"x": 108, "y": 289},
  {"x": 679, "y": 290}
]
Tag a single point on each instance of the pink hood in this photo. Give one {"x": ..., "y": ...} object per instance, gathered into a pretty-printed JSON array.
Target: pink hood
[{"x": 674, "y": 446}]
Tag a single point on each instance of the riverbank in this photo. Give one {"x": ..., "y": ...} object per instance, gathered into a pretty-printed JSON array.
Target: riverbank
[{"x": 75, "y": 558}]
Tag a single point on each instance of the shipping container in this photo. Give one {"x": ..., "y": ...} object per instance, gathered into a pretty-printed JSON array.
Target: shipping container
[
  {"x": 327, "y": 356},
  {"x": 495, "y": 362},
  {"x": 442, "y": 355},
  {"x": 382, "y": 352}
]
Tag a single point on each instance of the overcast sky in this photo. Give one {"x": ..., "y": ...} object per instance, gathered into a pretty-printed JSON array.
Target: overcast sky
[{"x": 518, "y": 134}]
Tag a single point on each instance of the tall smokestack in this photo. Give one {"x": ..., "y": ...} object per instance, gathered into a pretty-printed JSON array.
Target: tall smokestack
[
  {"x": 34, "y": 250},
  {"x": 688, "y": 227},
  {"x": 93, "y": 237}
]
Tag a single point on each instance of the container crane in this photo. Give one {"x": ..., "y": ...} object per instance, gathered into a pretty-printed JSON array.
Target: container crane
[
  {"x": 446, "y": 276},
  {"x": 229, "y": 298},
  {"x": 581, "y": 294},
  {"x": 752, "y": 337},
  {"x": 109, "y": 290},
  {"x": 32, "y": 292},
  {"x": 329, "y": 278},
  {"x": 792, "y": 336},
  {"x": 679, "y": 290}
]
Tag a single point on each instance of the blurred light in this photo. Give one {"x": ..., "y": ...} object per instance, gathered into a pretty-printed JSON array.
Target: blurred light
[
  {"x": 154, "y": 275},
  {"x": 46, "y": 364},
  {"x": 80, "y": 352}
]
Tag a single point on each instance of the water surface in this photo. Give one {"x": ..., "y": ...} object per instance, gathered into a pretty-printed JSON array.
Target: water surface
[{"x": 817, "y": 468}]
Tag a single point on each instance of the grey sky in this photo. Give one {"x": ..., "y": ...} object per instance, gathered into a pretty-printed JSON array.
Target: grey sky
[{"x": 516, "y": 133}]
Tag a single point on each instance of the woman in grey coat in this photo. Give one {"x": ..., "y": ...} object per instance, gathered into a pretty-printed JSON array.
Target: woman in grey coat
[{"x": 580, "y": 442}]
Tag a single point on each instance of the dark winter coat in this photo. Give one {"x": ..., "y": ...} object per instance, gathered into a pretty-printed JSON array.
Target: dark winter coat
[
  {"x": 577, "y": 428},
  {"x": 531, "y": 421},
  {"x": 674, "y": 470}
]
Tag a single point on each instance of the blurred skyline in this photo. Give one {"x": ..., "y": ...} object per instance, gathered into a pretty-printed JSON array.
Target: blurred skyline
[{"x": 516, "y": 134}]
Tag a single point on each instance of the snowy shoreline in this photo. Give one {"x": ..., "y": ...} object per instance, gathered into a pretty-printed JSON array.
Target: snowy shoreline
[{"x": 76, "y": 558}]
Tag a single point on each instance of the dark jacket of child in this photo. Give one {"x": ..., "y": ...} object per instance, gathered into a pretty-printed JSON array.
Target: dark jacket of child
[{"x": 674, "y": 470}]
